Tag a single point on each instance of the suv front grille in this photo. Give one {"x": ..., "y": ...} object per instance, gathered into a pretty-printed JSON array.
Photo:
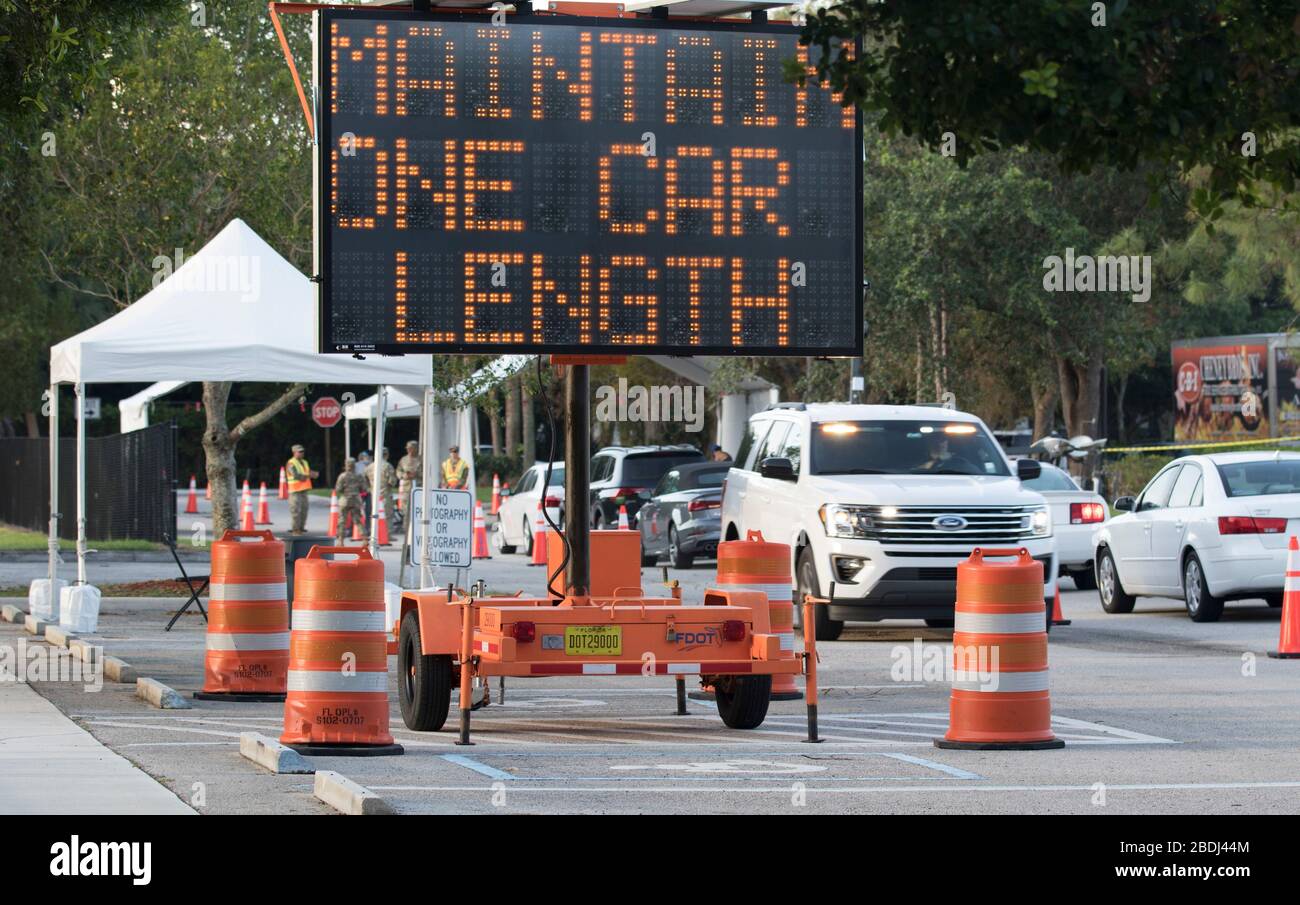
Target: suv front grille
[{"x": 984, "y": 525}]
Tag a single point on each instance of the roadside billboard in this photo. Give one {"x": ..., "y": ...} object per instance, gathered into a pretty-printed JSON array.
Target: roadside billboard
[{"x": 1221, "y": 389}]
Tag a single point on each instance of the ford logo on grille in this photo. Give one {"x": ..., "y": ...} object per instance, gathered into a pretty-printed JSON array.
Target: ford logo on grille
[{"x": 949, "y": 523}]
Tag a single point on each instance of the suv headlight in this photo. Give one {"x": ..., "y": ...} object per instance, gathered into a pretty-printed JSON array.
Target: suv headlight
[
  {"x": 1040, "y": 522},
  {"x": 845, "y": 521}
]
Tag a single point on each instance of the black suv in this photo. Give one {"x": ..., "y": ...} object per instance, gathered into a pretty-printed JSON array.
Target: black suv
[{"x": 625, "y": 475}]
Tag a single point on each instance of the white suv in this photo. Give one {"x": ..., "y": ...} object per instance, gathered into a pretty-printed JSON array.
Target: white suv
[{"x": 885, "y": 501}]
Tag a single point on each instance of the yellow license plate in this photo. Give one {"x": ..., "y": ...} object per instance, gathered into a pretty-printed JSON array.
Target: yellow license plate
[{"x": 593, "y": 640}]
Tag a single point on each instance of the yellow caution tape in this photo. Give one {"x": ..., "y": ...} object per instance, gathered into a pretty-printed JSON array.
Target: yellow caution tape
[{"x": 1222, "y": 444}]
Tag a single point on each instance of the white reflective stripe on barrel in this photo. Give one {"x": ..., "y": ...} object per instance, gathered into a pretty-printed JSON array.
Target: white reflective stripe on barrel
[
  {"x": 962, "y": 680},
  {"x": 778, "y": 592},
  {"x": 333, "y": 680},
  {"x": 1001, "y": 623},
  {"x": 787, "y": 640},
  {"x": 248, "y": 640},
  {"x": 338, "y": 620},
  {"x": 228, "y": 590}
]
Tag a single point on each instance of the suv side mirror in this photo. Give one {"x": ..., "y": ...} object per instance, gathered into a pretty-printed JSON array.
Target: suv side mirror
[
  {"x": 1124, "y": 504},
  {"x": 778, "y": 468},
  {"x": 1028, "y": 469}
]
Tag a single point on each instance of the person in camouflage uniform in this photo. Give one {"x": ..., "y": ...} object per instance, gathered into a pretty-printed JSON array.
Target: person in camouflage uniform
[
  {"x": 410, "y": 468},
  {"x": 349, "y": 487},
  {"x": 387, "y": 484}
]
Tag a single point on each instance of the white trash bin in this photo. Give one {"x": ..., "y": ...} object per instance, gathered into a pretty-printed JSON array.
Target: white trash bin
[
  {"x": 79, "y": 609},
  {"x": 43, "y": 600},
  {"x": 392, "y": 607}
]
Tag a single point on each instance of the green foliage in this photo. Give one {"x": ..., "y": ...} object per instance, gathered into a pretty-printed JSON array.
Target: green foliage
[
  {"x": 1127, "y": 474},
  {"x": 1160, "y": 85}
]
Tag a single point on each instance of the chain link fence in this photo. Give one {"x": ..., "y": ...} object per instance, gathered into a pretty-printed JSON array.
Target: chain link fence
[{"x": 130, "y": 484}]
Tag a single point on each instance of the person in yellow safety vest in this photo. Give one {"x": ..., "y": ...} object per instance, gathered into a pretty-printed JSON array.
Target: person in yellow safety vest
[
  {"x": 298, "y": 470},
  {"x": 455, "y": 470}
]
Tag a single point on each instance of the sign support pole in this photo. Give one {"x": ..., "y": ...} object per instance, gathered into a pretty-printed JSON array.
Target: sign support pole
[{"x": 577, "y": 469}]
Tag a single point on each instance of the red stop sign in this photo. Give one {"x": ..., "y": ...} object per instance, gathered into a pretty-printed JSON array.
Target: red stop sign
[{"x": 326, "y": 411}]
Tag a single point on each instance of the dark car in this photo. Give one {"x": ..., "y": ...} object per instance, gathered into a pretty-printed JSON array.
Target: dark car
[
  {"x": 625, "y": 475},
  {"x": 681, "y": 518}
]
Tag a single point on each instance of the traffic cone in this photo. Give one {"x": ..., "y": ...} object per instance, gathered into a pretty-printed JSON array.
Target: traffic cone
[
  {"x": 383, "y": 523},
  {"x": 284, "y": 484},
  {"x": 263, "y": 507},
  {"x": 358, "y": 532},
  {"x": 1288, "y": 642},
  {"x": 207, "y": 491},
  {"x": 539, "y": 538},
  {"x": 192, "y": 501},
  {"x": 246, "y": 517},
  {"x": 496, "y": 494},
  {"x": 480, "y": 550},
  {"x": 1058, "y": 618},
  {"x": 334, "y": 514},
  {"x": 622, "y": 518}
]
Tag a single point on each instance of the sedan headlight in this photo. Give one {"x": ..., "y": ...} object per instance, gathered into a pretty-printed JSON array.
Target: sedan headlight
[
  {"x": 1040, "y": 522},
  {"x": 845, "y": 521}
]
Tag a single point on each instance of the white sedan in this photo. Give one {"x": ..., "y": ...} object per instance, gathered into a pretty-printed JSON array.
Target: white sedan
[
  {"x": 1207, "y": 529},
  {"x": 518, "y": 513},
  {"x": 1075, "y": 516}
]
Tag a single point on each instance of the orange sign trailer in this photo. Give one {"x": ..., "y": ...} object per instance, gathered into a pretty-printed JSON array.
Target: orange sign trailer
[{"x": 447, "y": 636}]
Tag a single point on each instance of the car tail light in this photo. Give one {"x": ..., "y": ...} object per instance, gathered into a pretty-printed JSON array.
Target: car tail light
[
  {"x": 628, "y": 492},
  {"x": 551, "y": 502},
  {"x": 697, "y": 505},
  {"x": 524, "y": 631},
  {"x": 1087, "y": 513},
  {"x": 1244, "y": 524},
  {"x": 733, "y": 630}
]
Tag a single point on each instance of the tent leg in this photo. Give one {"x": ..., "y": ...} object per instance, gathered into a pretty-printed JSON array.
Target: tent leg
[
  {"x": 54, "y": 483},
  {"x": 81, "y": 483},
  {"x": 347, "y": 438},
  {"x": 381, "y": 401}
]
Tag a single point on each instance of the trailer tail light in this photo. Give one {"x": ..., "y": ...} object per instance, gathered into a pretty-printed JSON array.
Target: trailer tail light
[
  {"x": 697, "y": 505},
  {"x": 1244, "y": 524},
  {"x": 523, "y": 632},
  {"x": 1087, "y": 513},
  {"x": 733, "y": 630}
]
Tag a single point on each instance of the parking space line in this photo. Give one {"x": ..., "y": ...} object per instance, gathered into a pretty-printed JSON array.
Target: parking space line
[
  {"x": 955, "y": 788},
  {"x": 957, "y": 772},
  {"x": 470, "y": 763}
]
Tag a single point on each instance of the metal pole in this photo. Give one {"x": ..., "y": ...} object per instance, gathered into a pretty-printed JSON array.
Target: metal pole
[
  {"x": 381, "y": 400},
  {"x": 54, "y": 485},
  {"x": 857, "y": 383},
  {"x": 428, "y": 449},
  {"x": 577, "y": 469},
  {"x": 347, "y": 437},
  {"x": 81, "y": 483}
]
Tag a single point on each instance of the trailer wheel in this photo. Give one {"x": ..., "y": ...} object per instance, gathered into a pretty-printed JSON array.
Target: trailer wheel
[
  {"x": 423, "y": 680},
  {"x": 742, "y": 700}
]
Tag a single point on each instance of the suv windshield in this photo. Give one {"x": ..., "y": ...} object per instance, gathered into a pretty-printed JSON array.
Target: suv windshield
[
  {"x": 1263, "y": 478},
  {"x": 905, "y": 447}
]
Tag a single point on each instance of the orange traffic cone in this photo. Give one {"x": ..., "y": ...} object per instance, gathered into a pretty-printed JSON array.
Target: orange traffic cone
[
  {"x": 1288, "y": 642},
  {"x": 622, "y": 518},
  {"x": 480, "y": 549},
  {"x": 334, "y": 514},
  {"x": 383, "y": 523},
  {"x": 207, "y": 491},
  {"x": 539, "y": 539},
  {"x": 263, "y": 507},
  {"x": 1058, "y": 618},
  {"x": 246, "y": 517},
  {"x": 358, "y": 532},
  {"x": 192, "y": 501},
  {"x": 496, "y": 494},
  {"x": 284, "y": 484}
]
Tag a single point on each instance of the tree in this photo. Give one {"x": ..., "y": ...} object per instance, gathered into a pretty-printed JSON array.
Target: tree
[{"x": 1213, "y": 83}]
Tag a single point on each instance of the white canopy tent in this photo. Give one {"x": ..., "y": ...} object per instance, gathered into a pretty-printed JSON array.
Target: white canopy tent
[
  {"x": 234, "y": 311},
  {"x": 134, "y": 410}
]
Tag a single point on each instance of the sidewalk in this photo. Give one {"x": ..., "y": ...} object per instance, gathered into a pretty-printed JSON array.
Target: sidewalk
[{"x": 50, "y": 765}]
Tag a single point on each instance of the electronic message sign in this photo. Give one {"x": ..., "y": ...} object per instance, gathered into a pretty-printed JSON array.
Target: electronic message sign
[{"x": 569, "y": 184}]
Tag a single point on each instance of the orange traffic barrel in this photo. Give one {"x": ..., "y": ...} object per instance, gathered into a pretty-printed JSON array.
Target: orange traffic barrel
[
  {"x": 1000, "y": 696},
  {"x": 754, "y": 564},
  {"x": 248, "y": 620},
  {"x": 338, "y": 656}
]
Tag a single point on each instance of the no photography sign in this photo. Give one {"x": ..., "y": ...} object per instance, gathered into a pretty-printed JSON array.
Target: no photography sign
[{"x": 451, "y": 527}]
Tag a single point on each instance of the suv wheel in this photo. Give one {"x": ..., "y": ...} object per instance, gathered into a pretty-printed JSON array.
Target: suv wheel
[
  {"x": 1202, "y": 606},
  {"x": 1113, "y": 598},
  {"x": 805, "y": 577}
]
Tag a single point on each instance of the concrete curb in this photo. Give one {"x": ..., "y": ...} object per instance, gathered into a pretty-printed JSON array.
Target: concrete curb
[
  {"x": 116, "y": 670},
  {"x": 83, "y": 650},
  {"x": 158, "y": 694},
  {"x": 268, "y": 753},
  {"x": 36, "y": 626},
  {"x": 345, "y": 796},
  {"x": 59, "y": 637},
  {"x": 11, "y": 613},
  {"x": 10, "y": 556}
]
